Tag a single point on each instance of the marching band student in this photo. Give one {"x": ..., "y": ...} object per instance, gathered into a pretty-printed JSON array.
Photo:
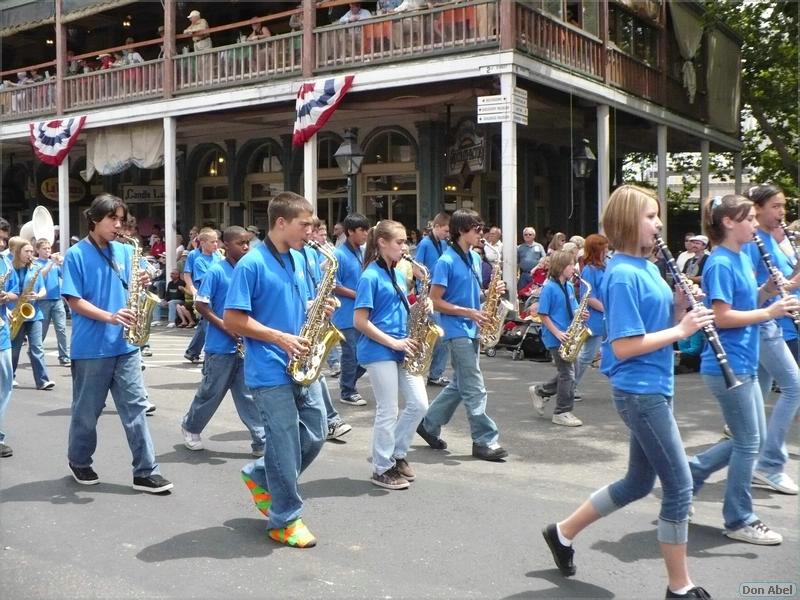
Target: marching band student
[
  {"x": 637, "y": 358},
  {"x": 223, "y": 368},
  {"x": 594, "y": 267},
  {"x": 22, "y": 251},
  {"x": 197, "y": 264},
  {"x": 381, "y": 315},
  {"x": 52, "y": 305},
  {"x": 775, "y": 357},
  {"x": 96, "y": 279},
  {"x": 9, "y": 278},
  {"x": 266, "y": 306},
  {"x": 730, "y": 287},
  {"x": 430, "y": 248},
  {"x": 351, "y": 262},
  {"x": 557, "y": 305},
  {"x": 455, "y": 292}
]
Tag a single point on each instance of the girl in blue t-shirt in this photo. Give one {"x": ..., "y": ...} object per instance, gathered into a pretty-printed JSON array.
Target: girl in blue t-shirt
[
  {"x": 730, "y": 286},
  {"x": 594, "y": 268},
  {"x": 381, "y": 315},
  {"x": 637, "y": 357}
]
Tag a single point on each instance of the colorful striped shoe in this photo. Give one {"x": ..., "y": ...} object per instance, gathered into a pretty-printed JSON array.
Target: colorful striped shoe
[
  {"x": 261, "y": 497},
  {"x": 295, "y": 534}
]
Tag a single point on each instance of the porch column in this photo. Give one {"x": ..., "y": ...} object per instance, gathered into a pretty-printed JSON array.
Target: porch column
[
  {"x": 310, "y": 154},
  {"x": 168, "y": 40},
  {"x": 508, "y": 190},
  {"x": 61, "y": 60},
  {"x": 63, "y": 206},
  {"x": 704, "y": 174},
  {"x": 309, "y": 59},
  {"x": 737, "y": 172},
  {"x": 170, "y": 187},
  {"x": 603, "y": 153},
  {"x": 662, "y": 174}
]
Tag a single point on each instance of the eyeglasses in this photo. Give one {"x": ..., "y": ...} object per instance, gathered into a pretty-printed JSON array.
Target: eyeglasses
[{"x": 478, "y": 228}]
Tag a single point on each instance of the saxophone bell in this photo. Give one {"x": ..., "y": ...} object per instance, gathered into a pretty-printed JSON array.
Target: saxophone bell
[{"x": 577, "y": 332}]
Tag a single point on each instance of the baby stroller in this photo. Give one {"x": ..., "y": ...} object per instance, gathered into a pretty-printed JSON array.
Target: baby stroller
[{"x": 523, "y": 337}]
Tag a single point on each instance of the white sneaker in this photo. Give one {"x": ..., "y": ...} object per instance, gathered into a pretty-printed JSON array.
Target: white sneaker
[
  {"x": 780, "y": 482},
  {"x": 567, "y": 419},
  {"x": 14, "y": 384},
  {"x": 191, "y": 440},
  {"x": 756, "y": 533},
  {"x": 155, "y": 324},
  {"x": 170, "y": 325},
  {"x": 538, "y": 399}
]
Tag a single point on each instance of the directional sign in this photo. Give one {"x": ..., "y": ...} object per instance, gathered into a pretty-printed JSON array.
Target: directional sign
[
  {"x": 497, "y": 108},
  {"x": 504, "y": 108},
  {"x": 485, "y": 100}
]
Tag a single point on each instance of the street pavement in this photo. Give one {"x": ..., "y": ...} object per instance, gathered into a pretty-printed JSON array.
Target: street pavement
[{"x": 465, "y": 529}]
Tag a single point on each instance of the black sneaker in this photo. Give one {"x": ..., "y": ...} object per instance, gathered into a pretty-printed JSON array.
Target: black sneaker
[
  {"x": 438, "y": 381},
  {"x": 146, "y": 351},
  {"x": 84, "y": 475},
  {"x": 150, "y": 410},
  {"x": 433, "y": 441},
  {"x": 492, "y": 453},
  {"x": 65, "y": 362},
  {"x": 5, "y": 451},
  {"x": 191, "y": 357},
  {"x": 154, "y": 484},
  {"x": 562, "y": 555},
  {"x": 695, "y": 592}
]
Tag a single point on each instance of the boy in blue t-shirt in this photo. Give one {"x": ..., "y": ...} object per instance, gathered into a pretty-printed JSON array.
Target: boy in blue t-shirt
[
  {"x": 351, "y": 262},
  {"x": 52, "y": 305},
  {"x": 266, "y": 305},
  {"x": 224, "y": 367},
  {"x": 8, "y": 282},
  {"x": 96, "y": 280},
  {"x": 199, "y": 261},
  {"x": 455, "y": 292}
]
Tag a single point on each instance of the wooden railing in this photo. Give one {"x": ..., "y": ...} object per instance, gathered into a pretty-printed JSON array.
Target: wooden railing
[
  {"x": 633, "y": 76},
  {"x": 276, "y": 56},
  {"x": 116, "y": 85},
  {"x": 553, "y": 40},
  {"x": 408, "y": 34},
  {"x": 28, "y": 100}
]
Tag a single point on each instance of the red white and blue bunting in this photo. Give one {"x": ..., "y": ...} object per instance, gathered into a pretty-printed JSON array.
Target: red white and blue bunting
[
  {"x": 52, "y": 140},
  {"x": 316, "y": 102}
]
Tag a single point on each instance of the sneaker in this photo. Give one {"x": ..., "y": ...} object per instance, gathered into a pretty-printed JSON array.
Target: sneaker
[
  {"x": 567, "y": 419},
  {"x": 65, "y": 362},
  {"x": 170, "y": 325},
  {"x": 261, "y": 497},
  {"x": 726, "y": 432},
  {"x": 438, "y": 381},
  {"x": 14, "y": 384},
  {"x": 5, "y": 451},
  {"x": 191, "y": 440},
  {"x": 150, "y": 410},
  {"x": 155, "y": 324},
  {"x": 780, "y": 482},
  {"x": 84, "y": 475},
  {"x": 562, "y": 555},
  {"x": 433, "y": 441},
  {"x": 691, "y": 513},
  {"x": 538, "y": 397},
  {"x": 354, "y": 400},
  {"x": 153, "y": 484},
  {"x": 336, "y": 370},
  {"x": 695, "y": 592},
  {"x": 755, "y": 533},
  {"x": 577, "y": 396},
  {"x": 493, "y": 452},
  {"x": 337, "y": 429},
  {"x": 255, "y": 452},
  {"x": 146, "y": 351},
  {"x": 391, "y": 480},
  {"x": 404, "y": 469},
  {"x": 48, "y": 385},
  {"x": 191, "y": 357},
  {"x": 295, "y": 534}
]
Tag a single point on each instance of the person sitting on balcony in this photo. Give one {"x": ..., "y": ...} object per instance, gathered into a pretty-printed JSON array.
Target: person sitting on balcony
[
  {"x": 74, "y": 66},
  {"x": 199, "y": 30},
  {"x": 106, "y": 60},
  {"x": 22, "y": 79},
  {"x": 387, "y": 6},
  {"x": 260, "y": 32},
  {"x": 131, "y": 56},
  {"x": 356, "y": 13}
]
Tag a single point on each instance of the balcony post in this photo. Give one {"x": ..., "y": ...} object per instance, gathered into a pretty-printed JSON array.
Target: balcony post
[
  {"x": 63, "y": 205},
  {"x": 169, "y": 51},
  {"x": 662, "y": 174},
  {"x": 604, "y": 37},
  {"x": 737, "y": 172},
  {"x": 309, "y": 47},
  {"x": 170, "y": 187},
  {"x": 508, "y": 26},
  {"x": 310, "y": 183},
  {"x": 61, "y": 62},
  {"x": 508, "y": 187}
]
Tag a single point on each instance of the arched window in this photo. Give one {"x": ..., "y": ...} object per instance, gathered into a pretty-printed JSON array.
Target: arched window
[
  {"x": 388, "y": 187},
  {"x": 266, "y": 159},
  {"x": 390, "y": 147},
  {"x": 213, "y": 164},
  {"x": 264, "y": 181},
  {"x": 327, "y": 146}
]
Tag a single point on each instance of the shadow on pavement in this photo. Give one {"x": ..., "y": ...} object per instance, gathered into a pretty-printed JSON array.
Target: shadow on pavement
[
  {"x": 563, "y": 587},
  {"x": 201, "y": 457},
  {"x": 343, "y": 487},
  {"x": 62, "y": 491}
]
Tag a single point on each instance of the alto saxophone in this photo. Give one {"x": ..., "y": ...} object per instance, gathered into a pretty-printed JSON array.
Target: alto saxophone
[
  {"x": 421, "y": 328},
  {"x": 23, "y": 310},
  {"x": 577, "y": 332},
  {"x": 495, "y": 308},
  {"x": 318, "y": 330},
  {"x": 140, "y": 301}
]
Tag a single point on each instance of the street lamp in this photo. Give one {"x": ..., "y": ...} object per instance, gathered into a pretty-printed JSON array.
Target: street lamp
[
  {"x": 583, "y": 161},
  {"x": 349, "y": 157}
]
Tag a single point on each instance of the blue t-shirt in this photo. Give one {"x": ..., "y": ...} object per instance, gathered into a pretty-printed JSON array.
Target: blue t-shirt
[
  {"x": 347, "y": 275},
  {"x": 198, "y": 264},
  {"x": 781, "y": 261},
  {"x": 594, "y": 277},
  {"x": 11, "y": 284},
  {"x": 23, "y": 280},
  {"x": 462, "y": 289},
  {"x": 387, "y": 312},
  {"x": 313, "y": 270},
  {"x": 89, "y": 276},
  {"x": 552, "y": 304},
  {"x": 429, "y": 252},
  {"x": 213, "y": 291},
  {"x": 52, "y": 281},
  {"x": 730, "y": 277},
  {"x": 275, "y": 296},
  {"x": 639, "y": 301}
]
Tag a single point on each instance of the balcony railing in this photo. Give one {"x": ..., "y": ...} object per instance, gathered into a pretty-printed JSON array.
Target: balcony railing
[
  {"x": 28, "y": 100},
  {"x": 409, "y": 34},
  {"x": 115, "y": 86},
  {"x": 633, "y": 76}
]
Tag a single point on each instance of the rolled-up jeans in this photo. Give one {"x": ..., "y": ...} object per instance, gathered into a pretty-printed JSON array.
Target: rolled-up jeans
[
  {"x": 655, "y": 450},
  {"x": 53, "y": 310},
  {"x": 586, "y": 356}
]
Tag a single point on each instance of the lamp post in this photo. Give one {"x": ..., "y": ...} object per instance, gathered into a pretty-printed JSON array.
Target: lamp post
[
  {"x": 583, "y": 161},
  {"x": 349, "y": 157}
]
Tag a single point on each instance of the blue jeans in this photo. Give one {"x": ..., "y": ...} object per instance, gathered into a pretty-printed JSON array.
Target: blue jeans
[
  {"x": 92, "y": 379},
  {"x": 743, "y": 410},
  {"x": 440, "y": 354},
  {"x": 294, "y": 424},
  {"x": 198, "y": 339},
  {"x": 776, "y": 362},
  {"x": 467, "y": 387},
  {"x": 391, "y": 436},
  {"x": 335, "y": 356},
  {"x": 655, "y": 450},
  {"x": 331, "y": 414},
  {"x": 6, "y": 378},
  {"x": 351, "y": 370},
  {"x": 586, "y": 356},
  {"x": 54, "y": 310},
  {"x": 223, "y": 372},
  {"x": 562, "y": 385},
  {"x": 33, "y": 331}
]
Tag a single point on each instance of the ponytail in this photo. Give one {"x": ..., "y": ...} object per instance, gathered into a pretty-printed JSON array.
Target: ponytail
[
  {"x": 385, "y": 229},
  {"x": 717, "y": 208},
  {"x": 371, "y": 253}
]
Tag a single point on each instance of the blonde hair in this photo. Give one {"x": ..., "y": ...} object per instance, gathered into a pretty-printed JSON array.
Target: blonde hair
[
  {"x": 560, "y": 260},
  {"x": 206, "y": 234},
  {"x": 385, "y": 230},
  {"x": 15, "y": 245},
  {"x": 622, "y": 216}
]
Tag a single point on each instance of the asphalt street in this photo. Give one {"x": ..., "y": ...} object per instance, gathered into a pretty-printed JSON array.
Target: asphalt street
[{"x": 465, "y": 529}]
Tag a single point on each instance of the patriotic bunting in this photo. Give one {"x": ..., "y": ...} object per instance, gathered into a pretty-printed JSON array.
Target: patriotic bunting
[
  {"x": 52, "y": 140},
  {"x": 316, "y": 102}
]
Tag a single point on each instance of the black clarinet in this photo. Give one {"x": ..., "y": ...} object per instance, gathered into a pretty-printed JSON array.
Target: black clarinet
[
  {"x": 776, "y": 276},
  {"x": 709, "y": 330},
  {"x": 792, "y": 242}
]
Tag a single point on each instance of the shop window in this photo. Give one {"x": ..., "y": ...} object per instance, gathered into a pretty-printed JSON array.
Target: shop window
[
  {"x": 327, "y": 147},
  {"x": 214, "y": 164},
  {"x": 632, "y": 35},
  {"x": 389, "y": 147},
  {"x": 267, "y": 159}
]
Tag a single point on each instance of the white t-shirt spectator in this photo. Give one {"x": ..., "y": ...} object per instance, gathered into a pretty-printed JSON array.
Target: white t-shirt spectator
[{"x": 349, "y": 17}]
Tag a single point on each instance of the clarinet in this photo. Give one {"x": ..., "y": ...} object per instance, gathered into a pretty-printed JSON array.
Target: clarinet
[
  {"x": 790, "y": 236},
  {"x": 776, "y": 276},
  {"x": 709, "y": 330}
]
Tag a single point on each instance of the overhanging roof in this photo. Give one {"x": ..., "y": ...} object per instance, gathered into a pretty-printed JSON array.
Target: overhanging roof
[{"x": 21, "y": 15}]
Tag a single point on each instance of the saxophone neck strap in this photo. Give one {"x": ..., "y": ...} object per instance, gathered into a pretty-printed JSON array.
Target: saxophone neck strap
[
  {"x": 390, "y": 272},
  {"x": 466, "y": 257},
  {"x": 109, "y": 258},
  {"x": 563, "y": 287},
  {"x": 290, "y": 272},
  {"x": 437, "y": 245}
]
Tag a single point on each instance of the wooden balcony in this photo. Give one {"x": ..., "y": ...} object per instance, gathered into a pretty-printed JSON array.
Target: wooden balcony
[
  {"x": 28, "y": 100},
  {"x": 118, "y": 85},
  {"x": 634, "y": 76}
]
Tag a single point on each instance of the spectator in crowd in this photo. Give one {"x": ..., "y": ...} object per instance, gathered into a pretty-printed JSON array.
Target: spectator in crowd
[
  {"x": 356, "y": 13},
  {"x": 175, "y": 299},
  {"x": 157, "y": 246},
  {"x": 259, "y": 32},
  {"x": 493, "y": 248},
  {"x": 129, "y": 55},
  {"x": 387, "y": 6},
  {"x": 255, "y": 236},
  {"x": 557, "y": 242},
  {"x": 22, "y": 79},
  {"x": 338, "y": 234},
  {"x": 106, "y": 60},
  {"x": 75, "y": 66},
  {"x": 413, "y": 238},
  {"x": 155, "y": 232},
  {"x": 693, "y": 268},
  {"x": 486, "y": 267},
  {"x": 687, "y": 250},
  {"x": 529, "y": 253},
  {"x": 198, "y": 27}
]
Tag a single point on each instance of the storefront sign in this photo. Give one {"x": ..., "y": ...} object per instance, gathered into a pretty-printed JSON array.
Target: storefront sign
[
  {"x": 132, "y": 194},
  {"x": 49, "y": 189},
  {"x": 469, "y": 153}
]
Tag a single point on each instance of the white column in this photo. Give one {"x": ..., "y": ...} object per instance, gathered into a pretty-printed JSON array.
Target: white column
[
  {"x": 603, "y": 158},
  {"x": 508, "y": 192},
  {"x": 737, "y": 172},
  {"x": 310, "y": 151},
  {"x": 704, "y": 174},
  {"x": 63, "y": 206},
  {"x": 170, "y": 187},
  {"x": 662, "y": 175}
]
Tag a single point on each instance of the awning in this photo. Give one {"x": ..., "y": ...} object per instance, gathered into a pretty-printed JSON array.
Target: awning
[
  {"x": 21, "y": 15},
  {"x": 72, "y": 10}
]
